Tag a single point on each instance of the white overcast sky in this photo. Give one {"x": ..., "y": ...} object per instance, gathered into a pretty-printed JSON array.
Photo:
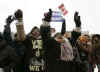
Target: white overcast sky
[{"x": 34, "y": 9}]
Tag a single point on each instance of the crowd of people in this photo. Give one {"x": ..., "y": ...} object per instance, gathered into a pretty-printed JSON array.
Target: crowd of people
[{"x": 44, "y": 50}]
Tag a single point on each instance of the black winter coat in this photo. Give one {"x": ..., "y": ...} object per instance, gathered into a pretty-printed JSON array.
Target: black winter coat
[{"x": 8, "y": 55}]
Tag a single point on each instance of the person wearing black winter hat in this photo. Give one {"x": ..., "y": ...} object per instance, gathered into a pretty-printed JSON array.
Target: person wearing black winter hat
[{"x": 34, "y": 54}]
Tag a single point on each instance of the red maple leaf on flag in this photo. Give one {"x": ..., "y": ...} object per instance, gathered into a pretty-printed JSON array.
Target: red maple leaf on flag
[{"x": 63, "y": 10}]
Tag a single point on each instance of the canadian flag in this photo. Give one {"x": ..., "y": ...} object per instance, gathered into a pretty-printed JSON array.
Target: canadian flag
[{"x": 62, "y": 8}]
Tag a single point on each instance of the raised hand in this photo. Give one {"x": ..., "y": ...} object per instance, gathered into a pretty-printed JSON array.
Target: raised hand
[
  {"x": 63, "y": 29},
  {"x": 9, "y": 20},
  {"x": 77, "y": 19},
  {"x": 18, "y": 14},
  {"x": 48, "y": 16}
]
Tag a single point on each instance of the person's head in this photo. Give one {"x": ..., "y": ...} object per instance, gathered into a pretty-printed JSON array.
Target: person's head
[
  {"x": 52, "y": 30},
  {"x": 58, "y": 37},
  {"x": 95, "y": 38},
  {"x": 67, "y": 35},
  {"x": 84, "y": 39},
  {"x": 35, "y": 32}
]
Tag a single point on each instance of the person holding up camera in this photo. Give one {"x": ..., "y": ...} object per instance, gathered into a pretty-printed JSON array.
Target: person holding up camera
[{"x": 17, "y": 42}]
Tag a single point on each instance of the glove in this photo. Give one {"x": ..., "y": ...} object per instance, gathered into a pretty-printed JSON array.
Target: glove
[
  {"x": 9, "y": 20},
  {"x": 48, "y": 16},
  {"x": 63, "y": 30},
  {"x": 77, "y": 20},
  {"x": 18, "y": 14}
]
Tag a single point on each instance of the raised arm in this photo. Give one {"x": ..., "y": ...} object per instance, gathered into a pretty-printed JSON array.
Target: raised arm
[
  {"x": 77, "y": 21},
  {"x": 45, "y": 27},
  {"x": 77, "y": 32},
  {"x": 63, "y": 29},
  {"x": 20, "y": 25},
  {"x": 7, "y": 29}
]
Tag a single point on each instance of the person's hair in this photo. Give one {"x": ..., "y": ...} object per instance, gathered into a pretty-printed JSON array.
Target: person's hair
[
  {"x": 34, "y": 28},
  {"x": 95, "y": 41},
  {"x": 57, "y": 35},
  {"x": 96, "y": 36},
  {"x": 53, "y": 29},
  {"x": 86, "y": 35}
]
